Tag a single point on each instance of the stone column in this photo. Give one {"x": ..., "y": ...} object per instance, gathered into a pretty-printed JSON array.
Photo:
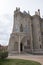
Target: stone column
[
  {"x": 19, "y": 45},
  {"x": 31, "y": 36}
]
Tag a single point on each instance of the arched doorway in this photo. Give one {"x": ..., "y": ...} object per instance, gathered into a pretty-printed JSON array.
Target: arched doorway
[{"x": 21, "y": 47}]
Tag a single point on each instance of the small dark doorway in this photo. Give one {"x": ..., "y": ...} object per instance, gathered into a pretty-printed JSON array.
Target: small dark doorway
[{"x": 21, "y": 47}]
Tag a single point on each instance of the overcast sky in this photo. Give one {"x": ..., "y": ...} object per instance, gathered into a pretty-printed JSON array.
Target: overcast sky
[{"x": 7, "y": 8}]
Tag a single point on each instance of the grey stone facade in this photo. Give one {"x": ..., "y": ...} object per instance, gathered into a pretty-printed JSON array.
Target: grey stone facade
[{"x": 27, "y": 33}]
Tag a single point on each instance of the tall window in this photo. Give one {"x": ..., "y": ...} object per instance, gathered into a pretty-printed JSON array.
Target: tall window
[
  {"x": 28, "y": 43},
  {"x": 21, "y": 28},
  {"x": 40, "y": 46}
]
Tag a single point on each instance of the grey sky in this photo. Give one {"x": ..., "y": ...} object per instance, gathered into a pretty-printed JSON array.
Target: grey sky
[{"x": 7, "y": 8}]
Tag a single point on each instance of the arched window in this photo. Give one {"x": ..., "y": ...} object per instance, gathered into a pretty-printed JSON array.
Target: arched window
[{"x": 21, "y": 28}]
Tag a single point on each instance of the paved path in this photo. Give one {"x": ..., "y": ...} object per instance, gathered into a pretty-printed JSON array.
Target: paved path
[{"x": 38, "y": 58}]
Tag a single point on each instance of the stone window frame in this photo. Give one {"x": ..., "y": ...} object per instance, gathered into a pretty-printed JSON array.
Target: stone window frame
[{"x": 21, "y": 28}]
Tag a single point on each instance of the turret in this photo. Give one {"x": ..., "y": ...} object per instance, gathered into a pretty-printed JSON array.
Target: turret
[
  {"x": 37, "y": 12},
  {"x": 17, "y": 10}
]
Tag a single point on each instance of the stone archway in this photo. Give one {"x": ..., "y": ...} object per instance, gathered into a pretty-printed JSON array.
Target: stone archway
[{"x": 21, "y": 46}]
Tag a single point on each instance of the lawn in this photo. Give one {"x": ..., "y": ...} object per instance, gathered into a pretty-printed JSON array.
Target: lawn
[{"x": 17, "y": 62}]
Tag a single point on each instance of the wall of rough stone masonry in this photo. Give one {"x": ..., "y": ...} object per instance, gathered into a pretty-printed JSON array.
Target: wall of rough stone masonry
[
  {"x": 31, "y": 31},
  {"x": 36, "y": 32},
  {"x": 41, "y": 24}
]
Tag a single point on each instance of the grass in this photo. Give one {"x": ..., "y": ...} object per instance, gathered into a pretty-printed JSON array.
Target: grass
[{"x": 17, "y": 62}]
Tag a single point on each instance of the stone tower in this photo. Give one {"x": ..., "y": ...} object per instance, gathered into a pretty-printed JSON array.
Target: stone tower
[{"x": 26, "y": 33}]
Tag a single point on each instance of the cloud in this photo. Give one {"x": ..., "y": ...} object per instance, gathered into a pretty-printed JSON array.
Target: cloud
[
  {"x": 5, "y": 27},
  {"x": 4, "y": 42}
]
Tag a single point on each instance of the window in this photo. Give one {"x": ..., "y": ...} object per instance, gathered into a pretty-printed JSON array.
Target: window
[
  {"x": 42, "y": 33},
  {"x": 40, "y": 46},
  {"x": 21, "y": 28},
  {"x": 39, "y": 38},
  {"x": 31, "y": 25},
  {"x": 28, "y": 43},
  {"x": 16, "y": 46}
]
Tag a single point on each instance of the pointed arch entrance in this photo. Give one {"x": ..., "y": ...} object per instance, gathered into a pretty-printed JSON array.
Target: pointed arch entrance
[{"x": 21, "y": 46}]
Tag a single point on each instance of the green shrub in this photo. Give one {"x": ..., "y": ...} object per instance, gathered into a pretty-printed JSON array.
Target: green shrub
[
  {"x": 3, "y": 54},
  {"x": 0, "y": 53}
]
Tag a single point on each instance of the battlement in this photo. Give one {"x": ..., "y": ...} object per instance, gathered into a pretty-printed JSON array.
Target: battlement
[
  {"x": 24, "y": 12},
  {"x": 17, "y": 10}
]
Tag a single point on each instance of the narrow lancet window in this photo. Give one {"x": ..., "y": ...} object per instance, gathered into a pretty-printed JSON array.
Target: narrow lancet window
[{"x": 21, "y": 28}]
